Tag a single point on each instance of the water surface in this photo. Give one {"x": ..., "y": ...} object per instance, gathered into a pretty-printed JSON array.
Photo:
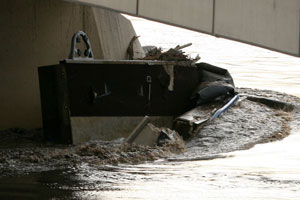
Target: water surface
[{"x": 267, "y": 171}]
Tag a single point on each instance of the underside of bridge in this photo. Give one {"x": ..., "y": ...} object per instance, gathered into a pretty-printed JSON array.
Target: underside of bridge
[{"x": 271, "y": 24}]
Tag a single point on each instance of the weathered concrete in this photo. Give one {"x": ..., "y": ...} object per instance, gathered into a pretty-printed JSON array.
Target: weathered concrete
[
  {"x": 193, "y": 14},
  {"x": 115, "y": 33},
  {"x": 268, "y": 23},
  {"x": 37, "y": 33},
  {"x": 125, "y": 6},
  {"x": 147, "y": 136}
]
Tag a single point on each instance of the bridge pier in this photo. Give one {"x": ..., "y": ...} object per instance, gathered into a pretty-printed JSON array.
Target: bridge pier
[{"x": 37, "y": 33}]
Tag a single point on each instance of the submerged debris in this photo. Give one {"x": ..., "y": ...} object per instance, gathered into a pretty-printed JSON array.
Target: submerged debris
[
  {"x": 146, "y": 134},
  {"x": 242, "y": 127}
]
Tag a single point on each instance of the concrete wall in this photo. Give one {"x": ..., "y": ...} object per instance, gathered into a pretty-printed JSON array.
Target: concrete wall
[
  {"x": 193, "y": 14},
  {"x": 272, "y": 24},
  {"x": 125, "y": 6},
  {"x": 269, "y": 23},
  {"x": 115, "y": 33},
  {"x": 37, "y": 33}
]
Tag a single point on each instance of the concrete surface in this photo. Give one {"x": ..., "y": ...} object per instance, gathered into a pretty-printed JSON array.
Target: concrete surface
[
  {"x": 148, "y": 136},
  {"x": 38, "y": 33},
  {"x": 268, "y": 23},
  {"x": 193, "y": 14},
  {"x": 115, "y": 33},
  {"x": 109, "y": 128},
  {"x": 125, "y": 6}
]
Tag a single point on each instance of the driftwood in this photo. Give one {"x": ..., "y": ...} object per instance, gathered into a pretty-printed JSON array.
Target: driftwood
[
  {"x": 183, "y": 46},
  {"x": 173, "y": 54}
]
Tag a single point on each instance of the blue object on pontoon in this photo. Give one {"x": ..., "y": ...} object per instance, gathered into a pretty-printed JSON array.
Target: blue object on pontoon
[{"x": 224, "y": 108}]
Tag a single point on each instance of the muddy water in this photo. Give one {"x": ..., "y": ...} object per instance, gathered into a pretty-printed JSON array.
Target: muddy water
[{"x": 267, "y": 171}]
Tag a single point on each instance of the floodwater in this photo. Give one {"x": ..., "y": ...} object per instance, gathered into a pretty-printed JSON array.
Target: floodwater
[{"x": 267, "y": 171}]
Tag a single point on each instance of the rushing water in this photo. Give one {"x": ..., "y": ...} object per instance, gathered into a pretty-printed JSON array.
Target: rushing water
[{"x": 267, "y": 171}]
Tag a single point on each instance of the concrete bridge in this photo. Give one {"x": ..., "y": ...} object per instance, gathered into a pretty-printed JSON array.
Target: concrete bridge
[
  {"x": 38, "y": 33},
  {"x": 272, "y": 24}
]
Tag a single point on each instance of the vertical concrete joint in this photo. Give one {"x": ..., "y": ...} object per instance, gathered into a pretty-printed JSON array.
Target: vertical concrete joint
[
  {"x": 213, "y": 17},
  {"x": 137, "y": 7},
  {"x": 299, "y": 30}
]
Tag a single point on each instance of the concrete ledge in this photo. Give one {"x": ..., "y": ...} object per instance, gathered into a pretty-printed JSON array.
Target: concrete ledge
[{"x": 109, "y": 128}]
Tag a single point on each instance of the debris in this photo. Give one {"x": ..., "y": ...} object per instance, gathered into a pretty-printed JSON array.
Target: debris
[
  {"x": 183, "y": 46},
  {"x": 215, "y": 89},
  {"x": 196, "y": 118},
  {"x": 225, "y": 107},
  {"x": 272, "y": 103},
  {"x": 170, "y": 71},
  {"x": 151, "y": 51},
  {"x": 187, "y": 123},
  {"x": 166, "y": 136},
  {"x": 209, "y": 91},
  {"x": 171, "y": 141},
  {"x": 138, "y": 129},
  {"x": 146, "y": 134},
  {"x": 173, "y": 54}
]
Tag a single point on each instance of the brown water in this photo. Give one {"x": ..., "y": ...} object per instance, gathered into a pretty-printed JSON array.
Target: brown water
[{"x": 267, "y": 171}]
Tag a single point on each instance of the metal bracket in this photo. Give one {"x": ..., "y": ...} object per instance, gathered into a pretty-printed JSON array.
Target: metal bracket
[
  {"x": 149, "y": 81},
  {"x": 97, "y": 96},
  {"x": 75, "y": 53}
]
